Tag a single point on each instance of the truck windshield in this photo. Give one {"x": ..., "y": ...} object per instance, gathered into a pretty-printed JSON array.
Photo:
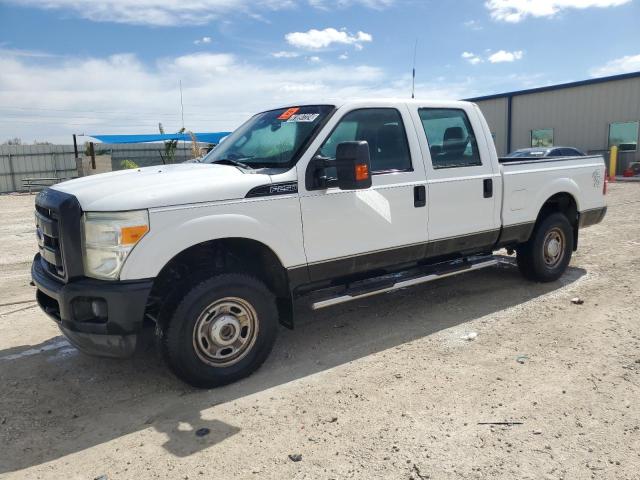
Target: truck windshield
[{"x": 271, "y": 139}]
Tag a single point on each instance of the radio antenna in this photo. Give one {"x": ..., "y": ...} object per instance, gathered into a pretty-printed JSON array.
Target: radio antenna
[
  {"x": 413, "y": 79},
  {"x": 181, "y": 104}
]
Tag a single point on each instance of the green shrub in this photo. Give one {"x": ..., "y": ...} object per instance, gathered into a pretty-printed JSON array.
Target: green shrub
[{"x": 128, "y": 164}]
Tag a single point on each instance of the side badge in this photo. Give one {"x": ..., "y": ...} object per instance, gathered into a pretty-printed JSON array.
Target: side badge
[
  {"x": 597, "y": 178},
  {"x": 283, "y": 188}
]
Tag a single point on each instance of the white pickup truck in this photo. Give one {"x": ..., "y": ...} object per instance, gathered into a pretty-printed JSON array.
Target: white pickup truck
[{"x": 329, "y": 202}]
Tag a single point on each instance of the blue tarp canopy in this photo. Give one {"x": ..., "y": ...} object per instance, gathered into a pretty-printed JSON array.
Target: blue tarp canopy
[{"x": 201, "y": 137}]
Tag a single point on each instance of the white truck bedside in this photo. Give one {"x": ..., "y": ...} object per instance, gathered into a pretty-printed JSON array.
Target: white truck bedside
[{"x": 325, "y": 202}]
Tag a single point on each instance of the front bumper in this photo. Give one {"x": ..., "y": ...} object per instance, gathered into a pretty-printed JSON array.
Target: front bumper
[{"x": 113, "y": 330}]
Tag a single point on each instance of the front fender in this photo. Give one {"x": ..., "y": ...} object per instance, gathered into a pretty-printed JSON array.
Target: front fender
[{"x": 274, "y": 223}]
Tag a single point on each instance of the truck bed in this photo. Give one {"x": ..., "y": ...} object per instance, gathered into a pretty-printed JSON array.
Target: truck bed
[{"x": 529, "y": 182}]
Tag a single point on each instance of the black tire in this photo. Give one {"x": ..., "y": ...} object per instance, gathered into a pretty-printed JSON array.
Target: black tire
[
  {"x": 207, "y": 306},
  {"x": 537, "y": 258}
]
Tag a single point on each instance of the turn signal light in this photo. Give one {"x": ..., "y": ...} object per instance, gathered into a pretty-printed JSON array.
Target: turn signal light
[
  {"x": 131, "y": 235},
  {"x": 362, "y": 172}
]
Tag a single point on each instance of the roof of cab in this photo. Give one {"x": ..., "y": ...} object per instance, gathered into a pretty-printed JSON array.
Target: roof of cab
[{"x": 340, "y": 102}]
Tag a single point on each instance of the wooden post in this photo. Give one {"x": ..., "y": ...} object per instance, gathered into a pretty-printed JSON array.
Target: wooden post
[
  {"x": 12, "y": 174},
  {"x": 92, "y": 152},
  {"x": 75, "y": 145}
]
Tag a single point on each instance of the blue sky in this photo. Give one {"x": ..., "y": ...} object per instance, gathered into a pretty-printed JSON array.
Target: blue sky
[{"x": 113, "y": 66}]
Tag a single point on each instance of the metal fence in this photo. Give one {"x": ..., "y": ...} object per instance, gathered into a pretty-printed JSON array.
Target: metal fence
[
  {"x": 20, "y": 162},
  {"x": 143, "y": 154}
]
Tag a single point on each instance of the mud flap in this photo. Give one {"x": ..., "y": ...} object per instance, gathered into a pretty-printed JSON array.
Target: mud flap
[{"x": 285, "y": 311}]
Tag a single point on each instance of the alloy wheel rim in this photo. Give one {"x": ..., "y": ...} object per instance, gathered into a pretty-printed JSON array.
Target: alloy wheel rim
[{"x": 225, "y": 331}]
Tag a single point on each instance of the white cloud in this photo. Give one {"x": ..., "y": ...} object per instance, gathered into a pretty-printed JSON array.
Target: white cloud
[
  {"x": 517, "y": 10},
  {"x": 119, "y": 94},
  {"x": 375, "y": 4},
  {"x": 629, "y": 63},
  {"x": 285, "y": 54},
  {"x": 47, "y": 100},
  {"x": 344, "y": 56},
  {"x": 14, "y": 52},
  {"x": 472, "y": 58},
  {"x": 315, "y": 59},
  {"x": 204, "y": 62},
  {"x": 318, "y": 39},
  {"x": 473, "y": 24},
  {"x": 182, "y": 12},
  {"x": 203, "y": 40},
  {"x": 504, "y": 56}
]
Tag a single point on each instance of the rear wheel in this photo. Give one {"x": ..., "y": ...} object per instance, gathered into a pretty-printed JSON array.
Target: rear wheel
[
  {"x": 545, "y": 257},
  {"x": 221, "y": 331}
]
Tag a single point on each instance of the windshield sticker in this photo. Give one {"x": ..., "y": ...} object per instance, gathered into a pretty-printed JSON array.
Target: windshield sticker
[
  {"x": 287, "y": 114},
  {"x": 304, "y": 117}
]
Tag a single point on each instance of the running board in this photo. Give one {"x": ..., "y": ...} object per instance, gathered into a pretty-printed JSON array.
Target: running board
[{"x": 455, "y": 269}]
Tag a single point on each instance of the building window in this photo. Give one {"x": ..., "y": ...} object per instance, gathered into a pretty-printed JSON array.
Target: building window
[
  {"x": 624, "y": 135},
  {"x": 542, "y": 137}
]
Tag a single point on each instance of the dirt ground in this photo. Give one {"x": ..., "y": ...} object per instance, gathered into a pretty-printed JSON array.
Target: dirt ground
[{"x": 391, "y": 387}]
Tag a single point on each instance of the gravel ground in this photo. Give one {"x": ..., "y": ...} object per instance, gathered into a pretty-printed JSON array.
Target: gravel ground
[{"x": 404, "y": 385}]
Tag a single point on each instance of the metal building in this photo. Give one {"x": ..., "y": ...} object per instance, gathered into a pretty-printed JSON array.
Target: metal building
[{"x": 591, "y": 115}]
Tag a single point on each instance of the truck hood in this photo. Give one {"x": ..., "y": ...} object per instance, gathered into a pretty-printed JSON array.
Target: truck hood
[{"x": 161, "y": 186}]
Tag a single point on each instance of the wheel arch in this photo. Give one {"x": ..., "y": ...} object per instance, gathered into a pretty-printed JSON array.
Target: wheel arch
[
  {"x": 222, "y": 255},
  {"x": 562, "y": 202}
]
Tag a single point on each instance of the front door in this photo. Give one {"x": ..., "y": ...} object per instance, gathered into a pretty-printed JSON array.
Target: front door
[{"x": 346, "y": 232}]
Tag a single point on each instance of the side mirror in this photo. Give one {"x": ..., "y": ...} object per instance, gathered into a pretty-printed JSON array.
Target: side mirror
[{"x": 353, "y": 165}]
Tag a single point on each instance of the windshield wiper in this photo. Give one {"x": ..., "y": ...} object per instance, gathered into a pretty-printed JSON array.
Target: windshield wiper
[{"x": 235, "y": 163}]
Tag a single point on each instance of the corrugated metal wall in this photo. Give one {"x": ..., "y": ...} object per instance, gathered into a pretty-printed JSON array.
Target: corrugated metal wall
[
  {"x": 18, "y": 162},
  {"x": 144, "y": 154},
  {"x": 495, "y": 111},
  {"x": 579, "y": 116},
  {"x": 42, "y": 161}
]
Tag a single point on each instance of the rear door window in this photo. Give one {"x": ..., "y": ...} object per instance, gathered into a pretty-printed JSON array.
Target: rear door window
[{"x": 451, "y": 139}]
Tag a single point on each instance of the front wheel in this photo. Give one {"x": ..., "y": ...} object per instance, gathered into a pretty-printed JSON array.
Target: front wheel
[
  {"x": 546, "y": 255},
  {"x": 222, "y": 330}
]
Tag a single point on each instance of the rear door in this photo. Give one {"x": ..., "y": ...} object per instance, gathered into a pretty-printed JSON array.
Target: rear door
[
  {"x": 346, "y": 232},
  {"x": 463, "y": 180}
]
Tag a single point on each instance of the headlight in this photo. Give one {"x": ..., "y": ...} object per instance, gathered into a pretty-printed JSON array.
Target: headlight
[{"x": 108, "y": 237}]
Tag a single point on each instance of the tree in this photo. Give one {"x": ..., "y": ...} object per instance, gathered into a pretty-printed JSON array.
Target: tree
[
  {"x": 170, "y": 147},
  {"x": 13, "y": 141}
]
